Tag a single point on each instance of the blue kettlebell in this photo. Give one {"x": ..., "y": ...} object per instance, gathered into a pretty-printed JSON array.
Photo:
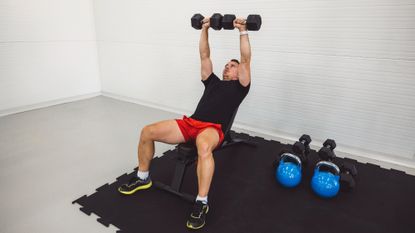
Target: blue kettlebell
[
  {"x": 325, "y": 181},
  {"x": 288, "y": 172}
]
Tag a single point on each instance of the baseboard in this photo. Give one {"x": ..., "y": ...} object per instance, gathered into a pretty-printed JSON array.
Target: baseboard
[{"x": 25, "y": 108}]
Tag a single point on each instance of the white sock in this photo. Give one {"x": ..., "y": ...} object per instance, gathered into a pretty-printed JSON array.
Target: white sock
[
  {"x": 142, "y": 175},
  {"x": 202, "y": 199}
]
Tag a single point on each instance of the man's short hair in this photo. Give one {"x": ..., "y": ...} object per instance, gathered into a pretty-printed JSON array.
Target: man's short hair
[{"x": 235, "y": 60}]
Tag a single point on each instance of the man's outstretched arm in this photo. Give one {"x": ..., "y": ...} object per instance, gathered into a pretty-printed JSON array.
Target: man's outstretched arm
[
  {"x": 206, "y": 63},
  {"x": 244, "y": 69}
]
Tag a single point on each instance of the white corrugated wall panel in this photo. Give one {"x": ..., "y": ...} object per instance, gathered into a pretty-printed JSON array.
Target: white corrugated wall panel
[{"x": 338, "y": 69}]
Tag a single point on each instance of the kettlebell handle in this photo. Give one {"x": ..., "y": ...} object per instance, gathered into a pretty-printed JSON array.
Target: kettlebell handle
[
  {"x": 289, "y": 155},
  {"x": 329, "y": 164}
]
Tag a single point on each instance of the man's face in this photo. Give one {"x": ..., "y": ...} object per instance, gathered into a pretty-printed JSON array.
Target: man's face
[{"x": 230, "y": 72}]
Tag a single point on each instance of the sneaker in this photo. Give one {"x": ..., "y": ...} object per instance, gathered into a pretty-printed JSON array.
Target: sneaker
[
  {"x": 198, "y": 216},
  {"x": 134, "y": 185}
]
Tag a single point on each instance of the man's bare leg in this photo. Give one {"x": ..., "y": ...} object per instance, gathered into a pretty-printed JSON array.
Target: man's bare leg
[
  {"x": 166, "y": 131},
  {"x": 206, "y": 142}
]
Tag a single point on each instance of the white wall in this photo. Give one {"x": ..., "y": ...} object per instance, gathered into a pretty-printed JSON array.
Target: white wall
[
  {"x": 47, "y": 52},
  {"x": 338, "y": 69}
]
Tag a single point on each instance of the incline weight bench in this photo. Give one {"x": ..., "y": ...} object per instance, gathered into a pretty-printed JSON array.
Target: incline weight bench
[{"x": 187, "y": 154}]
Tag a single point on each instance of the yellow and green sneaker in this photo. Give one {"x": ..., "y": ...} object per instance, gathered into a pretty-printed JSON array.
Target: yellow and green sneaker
[
  {"x": 134, "y": 185},
  {"x": 197, "y": 218}
]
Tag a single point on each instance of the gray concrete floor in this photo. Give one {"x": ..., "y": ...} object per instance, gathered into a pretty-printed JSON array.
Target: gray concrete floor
[{"x": 51, "y": 156}]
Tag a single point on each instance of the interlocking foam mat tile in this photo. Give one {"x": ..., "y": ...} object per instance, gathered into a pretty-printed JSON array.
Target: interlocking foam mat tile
[{"x": 245, "y": 197}]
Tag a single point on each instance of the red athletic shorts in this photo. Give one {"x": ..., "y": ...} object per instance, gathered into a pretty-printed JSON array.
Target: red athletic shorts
[{"x": 191, "y": 128}]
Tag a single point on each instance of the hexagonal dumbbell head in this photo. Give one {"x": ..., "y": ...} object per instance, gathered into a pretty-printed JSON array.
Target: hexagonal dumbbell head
[
  {"x": 197, "y": 21},
  {"x": 330, "y": 143},
  {"x": 349, "y": 169},
  {"x": 216, "y": 21},
  {"x": 253, "y": 22},
  {"x": 299, "y": 148},
  {"x": 347, "y": 177},
  {"x": 305, "y": 139},
  {"x": 326, "y": 152},
  {"x": 347, "y": 182},
  {"x": 227, "y": 21}
]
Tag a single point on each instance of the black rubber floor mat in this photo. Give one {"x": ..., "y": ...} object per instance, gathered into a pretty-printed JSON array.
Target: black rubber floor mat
[{"x": 244, "y": 197}]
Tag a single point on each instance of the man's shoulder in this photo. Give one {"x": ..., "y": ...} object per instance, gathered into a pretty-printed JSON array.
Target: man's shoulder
[
  {"x": 239, "y": 85},
  {"x": 212, "y": 78}
]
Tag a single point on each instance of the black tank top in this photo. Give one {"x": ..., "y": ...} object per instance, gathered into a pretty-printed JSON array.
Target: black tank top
[{"x": 219, "y": 100}]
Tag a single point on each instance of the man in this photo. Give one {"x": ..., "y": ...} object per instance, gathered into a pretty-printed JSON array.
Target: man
[{"x": 205, "y": 127}]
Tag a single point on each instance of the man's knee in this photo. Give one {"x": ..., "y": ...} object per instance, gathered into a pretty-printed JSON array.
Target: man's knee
[
  {"x": 148, "y": 132},
  {"x": 204, "y": 150}
]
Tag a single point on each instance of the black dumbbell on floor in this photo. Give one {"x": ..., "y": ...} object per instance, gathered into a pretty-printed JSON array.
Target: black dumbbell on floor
[
  {"x": 348, "y": 177},
  {"x": 217, "y": 22},
  {"x": 302, "y": 148},
  {"x": 326, "y": 153}
]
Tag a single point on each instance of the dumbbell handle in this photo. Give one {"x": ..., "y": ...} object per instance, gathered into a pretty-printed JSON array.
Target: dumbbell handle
[
  {"x": 244, "y": 20},
  {"x": 330, "y": 144},
  {"x": 304, "y": 142},
  {"x": 329, "y": 147}
]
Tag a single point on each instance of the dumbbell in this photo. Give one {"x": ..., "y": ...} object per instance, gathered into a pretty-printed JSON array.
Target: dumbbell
[
  {"x": 347, "y": 176},
  {"x": 326, "y": 153},
  {"x": 288, "y": 165},
  {"x": 253, "y": 22},
  {"x": 302, "y": 148},
  {"x": 217, "y": 22}
]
